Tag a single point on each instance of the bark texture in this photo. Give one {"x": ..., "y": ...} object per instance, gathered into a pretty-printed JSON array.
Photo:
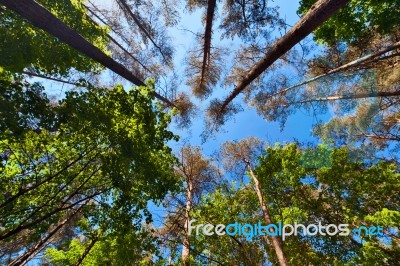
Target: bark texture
[
  {"x": 207, "y": 40},
  {"x": 45, "y": 20},
  {"x": 276, "y": 242}
]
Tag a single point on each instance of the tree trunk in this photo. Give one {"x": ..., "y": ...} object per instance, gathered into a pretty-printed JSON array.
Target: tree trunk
[
  {"x": 123, "y": 4},
  {"x": 87, "y": 250},
  {"x": 318, "y": 13},
  {"x": 23, "y": 259},
  {"x": 186, "y": 240},
  {"x": 207, "y": 39},
  {"x": 27, "y": 225},
  {"x": 347, "y": 97},
  {"x": 376, "y": 136},
  {"x": 341, "y": 68},
  {"x": 45, "y": 20},
  {"x": 21, "y": 192},
  {"x": 114, "y": 40},
  {"x": 51, "y": 78},
  {"x": 276, "y": 242}
]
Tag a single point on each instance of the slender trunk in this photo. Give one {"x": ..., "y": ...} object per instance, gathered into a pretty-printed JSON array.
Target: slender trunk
[
  {"x": 276, "y": 242},
  {"x": 347, "y": 97},
  {"x": 65, "y": 168},
  {"x": 115, "y": 41},
  {"x": 381, "y": 137},
  {"x": 87, "y": 250},
  {"x": 186, "y": 239},
  {"x": 318, "y": 13},
  {"x": 50, "y": 199},
  {"x": 23, "y": 226},
  {"x": 341, "y": 68},
  {"x": 107, "y": 23},
  {"x": 21, "y": 260},
  {"x": 207, "y": 40},
  {"x": 124, "y": 5},
  {"x": 127, "y": 52},
  {"x": 45, "y": 20},
  {"x": 51, "y": 78}
]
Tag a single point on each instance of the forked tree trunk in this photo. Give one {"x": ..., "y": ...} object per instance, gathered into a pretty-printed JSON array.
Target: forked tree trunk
[{"x": 276, "y": 242}]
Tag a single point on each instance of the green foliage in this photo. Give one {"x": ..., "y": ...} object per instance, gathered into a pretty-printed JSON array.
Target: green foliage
[
  {"x": 23, "y": 106},
  {"x": 23, "y": 45},
  {"x": 345, "y": 192},
  {"x": 316, "y": 158},
  {"x": 298, "y": 186},
  {"x": 92, "y": 161},
  {"x": 131, "y": 248},
  {"x": 104, "y": 159},
  {"x": 228, "y": 205},
  {"x": 357, "y": 20}
]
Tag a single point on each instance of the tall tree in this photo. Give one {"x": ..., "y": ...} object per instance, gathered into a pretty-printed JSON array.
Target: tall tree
[
  {"x": 199, "y": 175},
  {"x": 319, "y": 13},
  {"x": 24, "y": 46},
  {"x": 373, "y": 57},
  {"x": 243, "y": 152},
  {"x": 228, "y": 204},
  {"x": 305, "y": 189},
  {"x": 203, "y": 70},
  {"x": 356, "y": 22},
  {"x": 100, "y": 153},
  {"x": 42, "y": 18}
]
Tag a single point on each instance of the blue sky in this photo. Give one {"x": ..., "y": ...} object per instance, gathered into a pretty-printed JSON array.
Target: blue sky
[
  {"x": 248, "y": 122},
  {"x": 244, "y": 124}
]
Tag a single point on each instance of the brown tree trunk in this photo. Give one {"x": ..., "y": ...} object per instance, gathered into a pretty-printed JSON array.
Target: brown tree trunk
[
  {"x": 23, "y": 259},
  {"x": 207, "y": 39},
  {"x": 87, "y": 250},
  {"x": 318, "y": 13},
  {"x": 186, "y": 239},
  {"x": 276, "y": 242},
  {"x": 45, "y": 20}
]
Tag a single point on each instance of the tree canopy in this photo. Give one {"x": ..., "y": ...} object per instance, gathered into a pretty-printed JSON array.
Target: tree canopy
[{"x": 94, "y": 96}]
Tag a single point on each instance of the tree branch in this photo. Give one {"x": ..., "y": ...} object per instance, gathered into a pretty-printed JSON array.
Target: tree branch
[{"x": 318, "y": 13}]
